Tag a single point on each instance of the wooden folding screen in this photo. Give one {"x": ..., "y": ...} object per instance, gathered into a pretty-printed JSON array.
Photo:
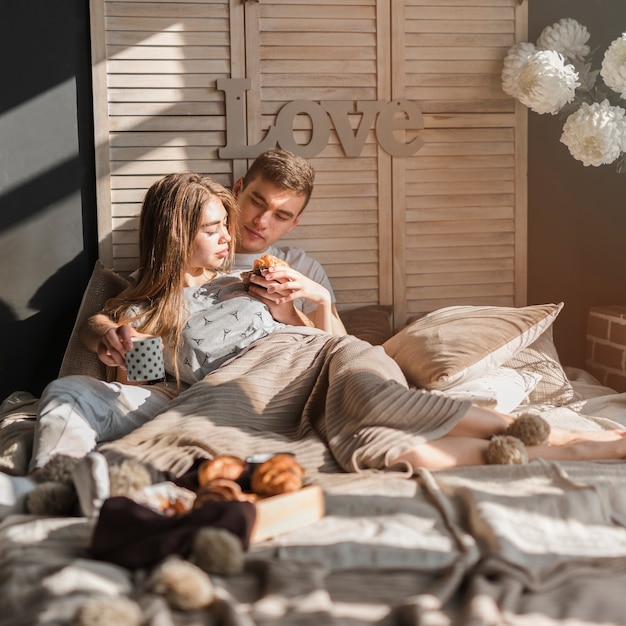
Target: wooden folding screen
[{"x": 445, "y": 224}]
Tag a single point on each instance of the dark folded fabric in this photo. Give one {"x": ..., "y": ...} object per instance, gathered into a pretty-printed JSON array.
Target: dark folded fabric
[{"x": 134, "y": 536}]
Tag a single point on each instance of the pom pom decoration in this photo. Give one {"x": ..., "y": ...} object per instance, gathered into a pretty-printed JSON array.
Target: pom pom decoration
[
  {"x": 217, "y": 551},
  {"x": 106, "y": 611},
  {"x": 185, "y": 586},
  {"x": 506, "y": 450},
  {"x": 530, "y": 429}
]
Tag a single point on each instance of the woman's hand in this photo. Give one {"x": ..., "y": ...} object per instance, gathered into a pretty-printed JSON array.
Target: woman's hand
[
  {"x": 109, "y": 340},
  {"x": 114, "y": 344}
]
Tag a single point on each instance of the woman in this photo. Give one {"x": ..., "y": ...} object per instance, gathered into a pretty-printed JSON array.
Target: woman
[{"x": 350, "y": 393}]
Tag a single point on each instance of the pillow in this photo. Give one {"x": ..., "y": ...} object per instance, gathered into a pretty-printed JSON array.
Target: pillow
[
  {"x": 458, "y": 343},
  {"x": 371, "y": 323},
  {"x": 542, "y": 358},
  {"x": 503, "y": 389},
  {"x": 103, "y": 284}
]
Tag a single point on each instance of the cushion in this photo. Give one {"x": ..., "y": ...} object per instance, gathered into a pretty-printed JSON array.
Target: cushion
[
  {"x": 103, "y": 284},
  {"x": 542, "y": 358},
  {"x": 371, "y": 323},
  {"x": 459, "y": 343},
  {"x": 503, "y": 389}
]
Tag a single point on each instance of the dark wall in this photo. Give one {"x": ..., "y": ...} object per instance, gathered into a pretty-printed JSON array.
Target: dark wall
[
  {"x": 47, "y": 197},
  {"x": 577, "y": 215}
]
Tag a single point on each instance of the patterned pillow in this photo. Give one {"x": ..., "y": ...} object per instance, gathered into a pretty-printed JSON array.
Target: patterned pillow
[
  {"x": 541, "y": 357},
  {"x": 502, "y": 389}
]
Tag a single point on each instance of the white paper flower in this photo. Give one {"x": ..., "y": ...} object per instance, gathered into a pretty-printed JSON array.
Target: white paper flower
[
  {"x": 566, "y": 36},
  {"x": 596, "y": 133},
  {"x": 613, "y": 69},
  {"x": 514, "y": 62},
  {"x": 546, "y": 83}
]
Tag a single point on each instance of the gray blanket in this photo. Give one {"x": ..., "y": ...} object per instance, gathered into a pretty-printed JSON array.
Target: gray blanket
[{"x": 538, "y": 544}]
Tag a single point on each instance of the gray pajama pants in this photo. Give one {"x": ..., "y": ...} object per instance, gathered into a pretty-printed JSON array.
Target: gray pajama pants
[{"x": 77, "y": 412}]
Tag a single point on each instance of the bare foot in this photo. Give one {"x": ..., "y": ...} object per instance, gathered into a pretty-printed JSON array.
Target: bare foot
[
  {"x": 559, "y": 437},
  {"x": 581, "y": 449}
]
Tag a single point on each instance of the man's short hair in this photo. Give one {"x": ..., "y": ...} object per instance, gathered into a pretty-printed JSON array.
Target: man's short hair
[{"x": 285, "y": 170}]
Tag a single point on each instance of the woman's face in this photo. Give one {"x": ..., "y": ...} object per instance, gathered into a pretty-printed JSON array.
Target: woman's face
[{"x": 212, "y": 241}]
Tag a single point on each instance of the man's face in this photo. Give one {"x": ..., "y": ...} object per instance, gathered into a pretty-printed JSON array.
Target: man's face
[{"x": 267, "y": 213}]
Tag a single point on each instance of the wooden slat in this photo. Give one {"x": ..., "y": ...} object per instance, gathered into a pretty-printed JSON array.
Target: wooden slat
[
  {"x": 315, "y": 13},
  {"x": 147, "y": 23},
  {"x": 166, "y": 9},
  {"x": 460, "y": 14}
]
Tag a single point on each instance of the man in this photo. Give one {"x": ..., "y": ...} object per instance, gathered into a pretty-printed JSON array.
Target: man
[{"x": 272, "y": 196}]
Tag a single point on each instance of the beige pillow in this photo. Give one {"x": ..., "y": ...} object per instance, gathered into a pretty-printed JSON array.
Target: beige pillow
[
  {"x": 541, "y": 357},
  {"x": 459, "y": 343},
  {"x": 103, "y": 284}
]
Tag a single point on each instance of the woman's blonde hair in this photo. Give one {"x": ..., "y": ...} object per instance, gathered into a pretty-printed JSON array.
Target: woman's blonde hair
[{"x": 170, "y": 219}]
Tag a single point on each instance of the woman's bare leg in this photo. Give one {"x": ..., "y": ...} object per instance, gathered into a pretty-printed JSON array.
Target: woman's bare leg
[
  {"x": 453, "y": 451},
  {"x": 447, "y": 452},
  {"x": 481, "y": 423},
  {"x": 559, "y": 437},
  {"x": 580, "y": 450}
]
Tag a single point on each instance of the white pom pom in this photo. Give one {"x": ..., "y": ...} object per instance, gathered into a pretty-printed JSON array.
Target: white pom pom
[
  {"x": 106, "y": 610},
  {"x": 128, "y": 478}
]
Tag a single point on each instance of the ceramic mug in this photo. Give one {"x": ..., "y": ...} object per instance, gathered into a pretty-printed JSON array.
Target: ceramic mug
[{"x": 145, "y": 361}]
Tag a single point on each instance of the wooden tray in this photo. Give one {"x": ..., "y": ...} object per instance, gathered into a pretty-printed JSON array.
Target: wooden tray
[{"x": 288, "y": 511}]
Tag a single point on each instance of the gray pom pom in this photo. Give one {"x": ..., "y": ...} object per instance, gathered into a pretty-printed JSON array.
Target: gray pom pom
[
  {"x": 58, "y": 469},
  {"x": 506, "y": 450},
  {"x": 51, "y": 498},
  {"x": 530, "y": 429},
  {"x": 217, "y": 551}
]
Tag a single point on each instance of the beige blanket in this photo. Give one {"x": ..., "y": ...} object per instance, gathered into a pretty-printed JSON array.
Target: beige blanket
[{"x": 336, "y": 402}]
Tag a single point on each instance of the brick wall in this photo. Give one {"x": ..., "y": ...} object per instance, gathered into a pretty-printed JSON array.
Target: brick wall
[{"x": 606, "y": 345}]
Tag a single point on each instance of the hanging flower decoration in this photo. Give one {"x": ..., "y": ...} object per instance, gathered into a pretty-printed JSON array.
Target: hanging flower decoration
[{"x": 555, "y": 76}]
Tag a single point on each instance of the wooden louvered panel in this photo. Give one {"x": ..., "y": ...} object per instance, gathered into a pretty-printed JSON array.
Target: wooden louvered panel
[
  {"x": 330, "y": 51},
  {"x": 157, "y": 108},
  {"x": 459, "y": 226},
  {"x": 444, "y": 226}
]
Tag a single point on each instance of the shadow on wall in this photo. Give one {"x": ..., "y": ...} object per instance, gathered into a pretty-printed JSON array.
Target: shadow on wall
[
  {"x": 34, "y": 347},
  {"x": 48, "y": 237}
]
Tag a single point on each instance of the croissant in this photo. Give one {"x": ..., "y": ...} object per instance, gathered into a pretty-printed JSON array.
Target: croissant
[
  {"x": 268, "y": 260},
  {"x": 222, "y": 490},
  {"x": 222, "y": 466},
  {"x": 279, "y": 474},
  {"x": 262, "y": 263}
]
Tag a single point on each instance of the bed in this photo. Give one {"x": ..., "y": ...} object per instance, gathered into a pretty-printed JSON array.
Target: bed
[{"x": 541, "y": 543}]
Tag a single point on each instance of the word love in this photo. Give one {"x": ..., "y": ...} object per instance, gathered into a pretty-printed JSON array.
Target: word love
[{"x": 401, "y": 115}]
